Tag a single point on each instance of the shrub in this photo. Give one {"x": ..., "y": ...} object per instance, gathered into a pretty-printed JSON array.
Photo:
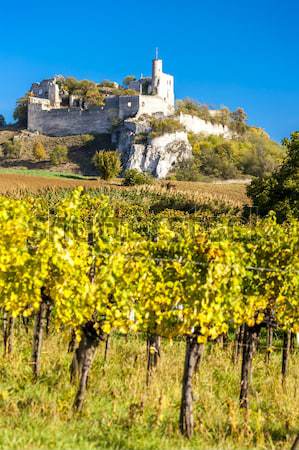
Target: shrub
[
  {"x": 59, "y": 155},
  {"x": 87, "y": 138},
  {"x": 134, "y": 177},
  {"x": 235, "y": 120},
  {"x": 188, "y": 170},
  {"x": 39, "y": 151},
  {"x": 194, "y": 108},
  {"x": 12, "y": 149},
  {"x": 107, "y": 163},
  {"x": 162, "y": 126},
  {"x": 107, "y": 83}
]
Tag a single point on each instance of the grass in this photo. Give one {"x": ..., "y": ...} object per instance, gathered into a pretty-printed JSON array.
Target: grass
[
  {"x": 121, "y": 414},
  {"x": 44, "y": 173}
]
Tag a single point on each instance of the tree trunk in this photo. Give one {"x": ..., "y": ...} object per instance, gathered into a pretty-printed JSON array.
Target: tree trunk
[
  {"x": 238, "y": 344},
  {"x": 295, "y": 446},
  {"x": 153, "y": 354},
  {"x": 220, "y": 340},
  {"x": 82, "y": 360},
  {"x": 11, "y": 326},
  {"x": 8, "y": 333},
  {"x": 5, "y": 322},
  {"x": 48, "y": 318},
  {"x": 285, "y": 354},
  {"x": 269, "y": 343},
  {"x": 25, "y": 321},
  {"x": 107, "y": 346},
  {"x": 39, "y": 324},
  {"x": 72, "y": 343},
  {"x": 200, "y": 358},
  {"x": 194, "y": 351},
  {"x": 293, "y": 343},
  {"x": 249, "y": 344}
]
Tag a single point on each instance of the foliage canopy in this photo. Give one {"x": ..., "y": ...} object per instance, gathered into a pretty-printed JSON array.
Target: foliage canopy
[{"x": 280, "y": 190}]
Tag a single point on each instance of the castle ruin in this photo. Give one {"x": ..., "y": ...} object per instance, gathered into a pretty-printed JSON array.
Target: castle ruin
[
  {"x": 48, "y": 114},
  {"x": 56, "y": 110}
]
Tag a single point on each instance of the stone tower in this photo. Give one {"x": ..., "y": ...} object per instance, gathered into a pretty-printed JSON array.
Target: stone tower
[
  {"x": 162, "y": 84},
  {"x": 53, "y": 94},
  {"x": 157, "y": 70}
]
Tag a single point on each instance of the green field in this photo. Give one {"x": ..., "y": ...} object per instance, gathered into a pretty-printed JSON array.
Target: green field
[{"x": 44, "y": 173}]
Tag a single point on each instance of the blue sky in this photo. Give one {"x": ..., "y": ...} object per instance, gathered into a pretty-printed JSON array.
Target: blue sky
[{"x": 233, "y": 53}]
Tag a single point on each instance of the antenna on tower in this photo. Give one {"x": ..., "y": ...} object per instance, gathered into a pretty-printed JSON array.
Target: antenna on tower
[{"x": 157, "y": 52}]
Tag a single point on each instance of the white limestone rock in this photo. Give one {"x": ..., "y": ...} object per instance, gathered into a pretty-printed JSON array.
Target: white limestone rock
[
  {"x": 197, "y": 125},
  {"x": 158, "y": 155}
]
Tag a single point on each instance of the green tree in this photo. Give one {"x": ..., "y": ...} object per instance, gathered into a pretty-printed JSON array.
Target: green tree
[
  {"x": 128, "y": 79},
  {"x": 279, "y": 191},
  {"x": 239, "y": 118},
  {"x": 223, "y": 116},
  {"x": 218, "y": 161},
  {"x": 2, "y": 121},
  {"x": 188, "y": 170},
  {"x": 59, "y": 155},
  {"x": 107, "y": 163},
  {"x": 21, "y": 111}
]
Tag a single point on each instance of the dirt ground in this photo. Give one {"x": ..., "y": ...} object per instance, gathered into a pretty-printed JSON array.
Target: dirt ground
[{"x": 15, "y": 182}]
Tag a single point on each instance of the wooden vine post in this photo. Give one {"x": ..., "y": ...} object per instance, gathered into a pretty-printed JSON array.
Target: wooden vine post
[
  {"x": 153, "y": 354},
  {"x": 83, "y": 358},
  {"x": 193, "y": 354},
  {"x": 249, "y": 342},
  {"x": 8, "y": 333},
  {"x": 238, "y": 344},
  {"x": 39, "y": 326},
  {"x": 269, "y": 342},
  {"x": 285, "y": 354}
]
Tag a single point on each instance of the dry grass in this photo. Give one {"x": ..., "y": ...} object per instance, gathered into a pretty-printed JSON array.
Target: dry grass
[
  {"x": 232, "y": 194},
  {"x": 14, "y": 182},
  {"x": 232, "y": 191}
]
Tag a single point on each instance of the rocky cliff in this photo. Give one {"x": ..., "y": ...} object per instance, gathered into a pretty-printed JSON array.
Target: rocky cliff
[{"x": 157, "y": 155}]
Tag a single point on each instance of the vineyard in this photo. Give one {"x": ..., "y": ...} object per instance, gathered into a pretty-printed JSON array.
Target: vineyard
[{"x": 125, "y": 298}]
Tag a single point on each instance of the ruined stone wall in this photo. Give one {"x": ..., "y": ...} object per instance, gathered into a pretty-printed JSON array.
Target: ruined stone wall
[
  {"x": 46, "y": 119},
  {"x": 65, "y": 122},
  {"x": 197, "y": 125},
  {"x": 151, "y": 104},
  {"x": 128, "y": 106}
]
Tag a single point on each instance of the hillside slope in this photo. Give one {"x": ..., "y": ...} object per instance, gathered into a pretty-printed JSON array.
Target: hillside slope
[{"x": 81, "y": 150}]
